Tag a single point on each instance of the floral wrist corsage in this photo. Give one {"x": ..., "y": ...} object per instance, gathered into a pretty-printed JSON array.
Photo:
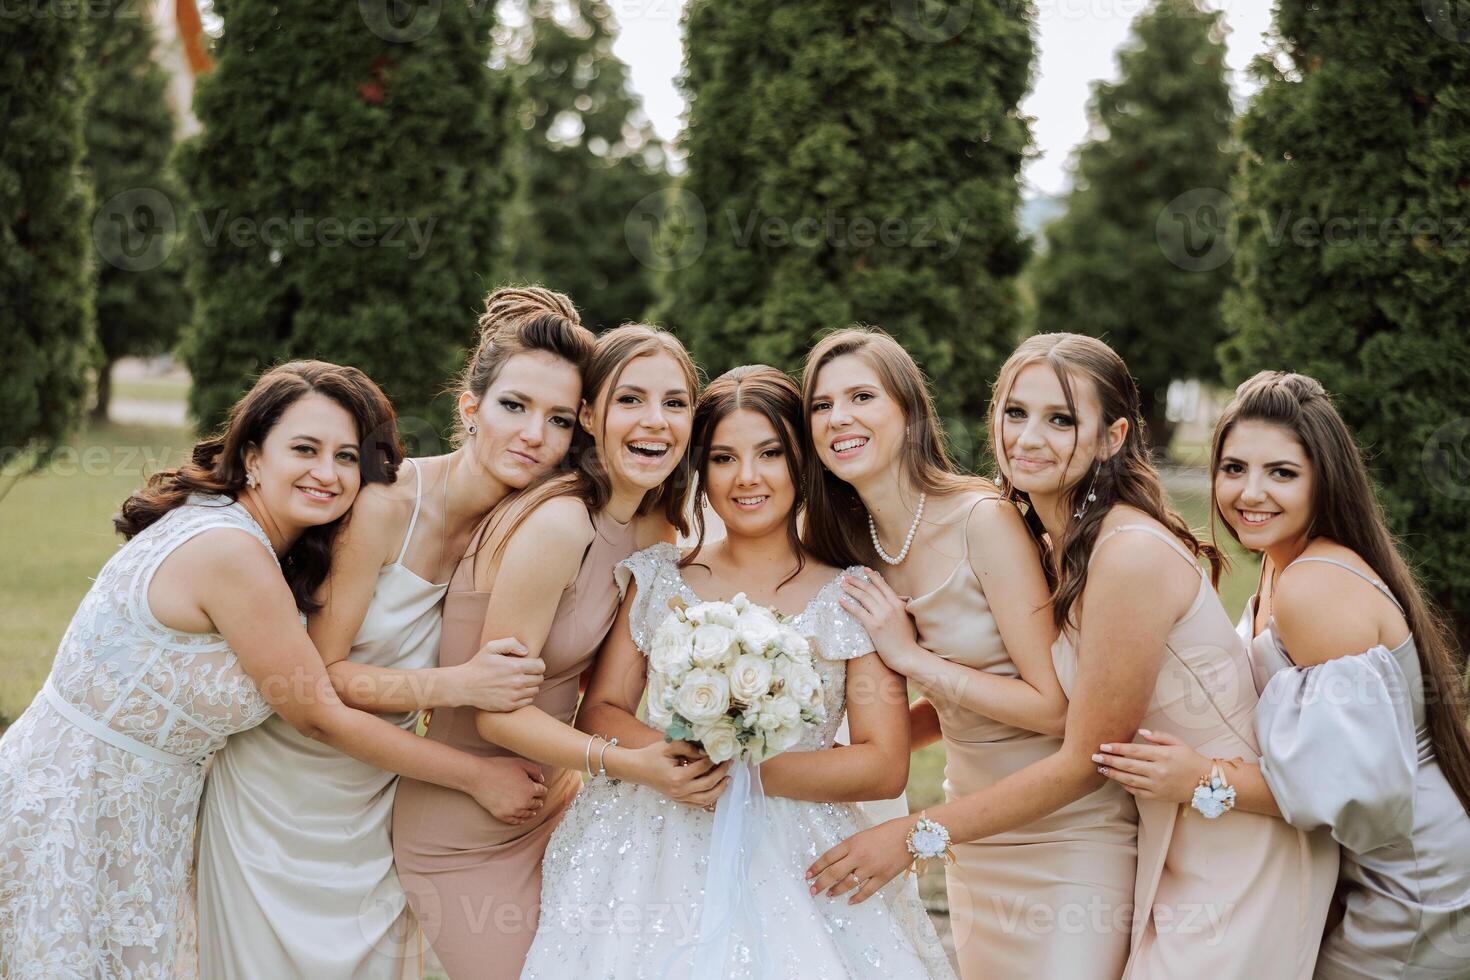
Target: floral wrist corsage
[
  {"x": 928, "y": 841},
  {"x": 1214, "y": 796}
]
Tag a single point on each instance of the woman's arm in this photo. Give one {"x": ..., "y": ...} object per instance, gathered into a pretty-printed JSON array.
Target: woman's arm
[
  {"x": 1133, "y": 597},
  {"x": 1318, "y": 621},
  {"x": 240, "y": 588},
  {"x": 610, "y": 706},
  {"x": 497, "y": 678},
  {"x": 538, "y": 563},
  {"x": 1004, "y": 559},
  {"x": 875, "y": 766},
  {"x": 924, "y": 728}
]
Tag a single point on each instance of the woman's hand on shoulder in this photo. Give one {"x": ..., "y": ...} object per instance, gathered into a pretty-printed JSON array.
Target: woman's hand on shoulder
[{"x": 885, "y": 615}]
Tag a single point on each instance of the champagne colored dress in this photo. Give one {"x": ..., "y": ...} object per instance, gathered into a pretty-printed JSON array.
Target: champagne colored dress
[
  {"x": 1047, "y": 900},
  {"x": 475, "y": 882},
  {"x": 1209, "y": 892},
  {"x": 1346, "y": 750},
  {"x": 295, "y": 856}
]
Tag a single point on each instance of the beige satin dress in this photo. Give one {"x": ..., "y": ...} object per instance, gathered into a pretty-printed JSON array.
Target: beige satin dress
[
  {"x": 473, "y": 881},
  {"x": 1211, "y": 893},
  {"x": 1048, "y": 900}
]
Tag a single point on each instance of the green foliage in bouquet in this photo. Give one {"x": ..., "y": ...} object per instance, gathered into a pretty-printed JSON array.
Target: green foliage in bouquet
[
  {"x": 347, "y": 190},
  {"x": 1354, "y": 251},
  {"x": 1140, "y": 257},
  {"x": 853, "y": 161},
  {"x": 47, "y": 282},
  {"x": 584, "y": 157}
]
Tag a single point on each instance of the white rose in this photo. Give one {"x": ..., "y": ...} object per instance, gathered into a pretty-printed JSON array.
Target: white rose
[
  {"x": 670, "y": 652},
  {"x": 740, "y": 603},
  {"x": 774, "y": 712},
  {"x": 750, "y": 678},
  {"x": 660, "y": 701},
  {"x": 757, "y": 629},
  {"x": 717, "y": 613},
  {"x": 794, "y": 645},
  {"x": 711, "y": 645},
  {"x": 782, "y": 738},
  {"x": 719, "y": 740},
  {"x": 804, "y": 686},
  {"x": 703, "y": 696}
]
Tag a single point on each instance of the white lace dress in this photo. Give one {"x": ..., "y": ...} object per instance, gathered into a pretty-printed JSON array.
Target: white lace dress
[
  {"x": 100, "y": 777},
  {"x": 624, "y": 872}
]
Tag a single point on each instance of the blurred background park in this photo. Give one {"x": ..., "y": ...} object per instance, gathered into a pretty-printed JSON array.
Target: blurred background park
[{"x": 191, "y": 191}]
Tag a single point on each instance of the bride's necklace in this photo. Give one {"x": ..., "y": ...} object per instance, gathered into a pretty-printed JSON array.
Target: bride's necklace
[{"x": 908, "y": 540}]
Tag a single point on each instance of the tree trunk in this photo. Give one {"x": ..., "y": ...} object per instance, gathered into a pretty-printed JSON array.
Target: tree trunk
[{"x": 104, "y": 392}]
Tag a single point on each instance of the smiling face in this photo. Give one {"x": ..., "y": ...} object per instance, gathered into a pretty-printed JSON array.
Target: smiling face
[
  {"x": 747, "y": 478},
  {"x": 524, "y": 421},
  {"x": 1046, "y": 448},
  {"x": 642, "y": 426},
  {"x": 307, "y": 469},
  {"x": 1264, "y": 485},
  {"x": 857, "y": 426}
]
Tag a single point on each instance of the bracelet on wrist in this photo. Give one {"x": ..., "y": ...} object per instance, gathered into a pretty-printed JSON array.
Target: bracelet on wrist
[
  {"x": 602, "y": 758},
  {"x": 587, "y": 756},
  {"x": 928, "y": 841},
  {"x": 1214, "y": 796}
]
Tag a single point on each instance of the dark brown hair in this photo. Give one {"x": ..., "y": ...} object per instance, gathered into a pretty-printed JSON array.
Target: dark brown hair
[
  {"x": 771, "y": 394},
  {"x": 836, "y": 527},
  {"x": 1345, "y": 510},
  {"x": 1126, "y": 477},
  {"x": 519, "y": 320},
  {"x": 217, "y": 465},
  {"x": 589, "y": 479}
]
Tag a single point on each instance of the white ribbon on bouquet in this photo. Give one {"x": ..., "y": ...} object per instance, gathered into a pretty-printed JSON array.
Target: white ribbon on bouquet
[{"x": 740, "y": 819}]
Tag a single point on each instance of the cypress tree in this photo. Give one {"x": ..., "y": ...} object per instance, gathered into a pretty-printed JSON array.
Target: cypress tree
[
  {"x": 852, "y": 161},
  {"x": 346, "y": 185},
  {"x": 587, "y": 156},
  {"x": 141, "y": 300},
  {"x": 1140, "y": 258},
  {"x": 1353, "y": 251},
  {"x": 47, "y": 283}
]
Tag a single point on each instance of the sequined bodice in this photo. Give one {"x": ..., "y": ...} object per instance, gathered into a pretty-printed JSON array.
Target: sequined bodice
[{"x": 838, "y": 637}]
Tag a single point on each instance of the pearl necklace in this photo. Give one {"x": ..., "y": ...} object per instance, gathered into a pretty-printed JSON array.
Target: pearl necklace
[{"x": 907, "y": 541}]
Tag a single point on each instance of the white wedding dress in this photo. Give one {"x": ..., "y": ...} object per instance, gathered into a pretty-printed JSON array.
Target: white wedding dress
[
  {"x": 624, "y": 873},
  {"x": 101, "y": 776}
]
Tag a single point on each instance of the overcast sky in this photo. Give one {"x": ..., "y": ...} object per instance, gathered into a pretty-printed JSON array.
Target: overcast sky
[{"x": 1076, "y": 45}]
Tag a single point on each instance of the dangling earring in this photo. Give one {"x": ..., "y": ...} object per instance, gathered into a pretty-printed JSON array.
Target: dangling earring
[
  {"x": 1091, "y": 495},
  {"x": 250, "y": 480}
]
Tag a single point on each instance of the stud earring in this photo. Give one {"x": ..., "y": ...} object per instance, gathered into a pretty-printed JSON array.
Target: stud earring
[
  {"x": 471, "y": 428},
  {"x": 250, "y": 480}
]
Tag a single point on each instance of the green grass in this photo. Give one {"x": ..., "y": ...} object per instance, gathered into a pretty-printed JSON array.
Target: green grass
[
  {"x": 159, "y": 390},
  {"x": 55, "y": 533}
]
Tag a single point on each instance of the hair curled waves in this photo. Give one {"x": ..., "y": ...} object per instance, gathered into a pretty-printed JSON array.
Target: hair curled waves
[
  {"x": 1345, "y": 510},
  {"x": 217, "y": 464},
  {"x": 1126, "y": 477}
]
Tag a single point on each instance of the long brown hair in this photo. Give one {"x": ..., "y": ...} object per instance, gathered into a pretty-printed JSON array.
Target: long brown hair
[
  {"x": 589, "y": 479},
  {"x": 217, "y": 465},
  {"x": 836, "y": 527},
  {"x": 1345, "y": 510},
  {"x": 1126, "y": 477},
  {"x": 769, "y": 393},
  {"x": 519, "y": 320}
]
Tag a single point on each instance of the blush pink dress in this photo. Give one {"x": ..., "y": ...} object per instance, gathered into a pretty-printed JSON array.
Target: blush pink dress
[
  {"x": 1047, "y": 900},
  {"x": 473, "y": 881},
  {"x": 1210, "y": 892}
]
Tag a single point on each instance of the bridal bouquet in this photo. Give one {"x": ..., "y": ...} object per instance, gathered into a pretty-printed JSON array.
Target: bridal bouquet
[{"x": 733, "y": 677}]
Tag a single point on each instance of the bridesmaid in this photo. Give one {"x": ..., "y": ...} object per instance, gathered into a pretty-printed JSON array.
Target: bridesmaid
[
  {"x": 1144, "y": 642},
  {"x": 1384, "y": 770},
  {"x": 295, "y": 860},
  {"x": 981, "y": 654},
  {"x": 541, "y": 569},
  {"x": 191, "y": 632}
]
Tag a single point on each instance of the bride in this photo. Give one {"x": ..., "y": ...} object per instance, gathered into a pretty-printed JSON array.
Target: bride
[{"x": 651, "y": 852}]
